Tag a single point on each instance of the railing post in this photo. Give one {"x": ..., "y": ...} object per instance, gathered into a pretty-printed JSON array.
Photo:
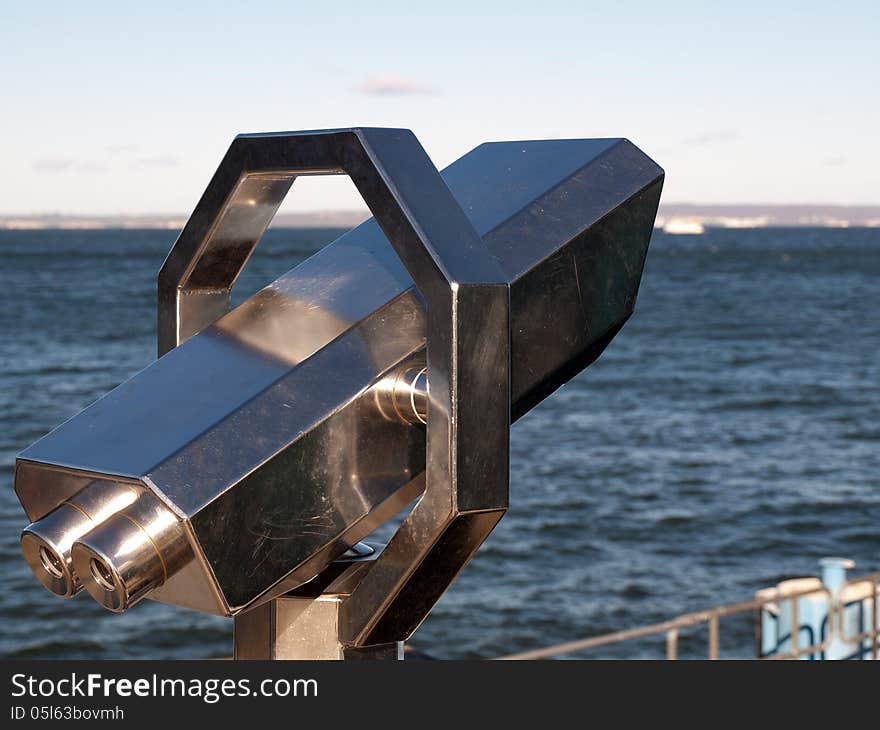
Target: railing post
[
  {"x": 672, "y": 645},
  {"x": 714, "y": 626},
  {"x": 875, "y": 617},
  {"x": 795, "y": 627}
]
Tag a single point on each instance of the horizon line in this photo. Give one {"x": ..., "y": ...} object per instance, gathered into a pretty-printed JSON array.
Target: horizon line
[{"x": 672, "y": 216}]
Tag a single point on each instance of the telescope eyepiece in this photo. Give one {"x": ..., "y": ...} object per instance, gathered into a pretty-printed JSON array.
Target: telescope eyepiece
[
  {"x": 131, "y": 553},
  {"x": 47, "y": 543},
  {"x": 48, "y": 554}
]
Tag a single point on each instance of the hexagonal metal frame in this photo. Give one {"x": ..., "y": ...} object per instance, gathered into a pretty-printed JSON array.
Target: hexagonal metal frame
[{"x": 468, "y": 339}]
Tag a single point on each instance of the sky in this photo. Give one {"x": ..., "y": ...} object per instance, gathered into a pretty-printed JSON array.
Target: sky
[{"x": 127, "y": 108}]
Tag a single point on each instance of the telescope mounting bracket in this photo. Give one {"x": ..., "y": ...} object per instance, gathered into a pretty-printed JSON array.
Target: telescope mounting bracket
[{"x": 467, "y": 301}]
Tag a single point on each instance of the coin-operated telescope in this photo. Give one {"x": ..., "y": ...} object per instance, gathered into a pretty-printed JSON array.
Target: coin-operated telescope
[{"x": 237, "y": 473}]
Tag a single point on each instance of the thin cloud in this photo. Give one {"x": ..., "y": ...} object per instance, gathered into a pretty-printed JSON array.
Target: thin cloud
[
  {"x": 391, "y": 85},
  {"x": 724, "y": 135},
  {"x": 835, "y": 161},
  {"x": 157, "y": 161},
  {"x": 327, "y": 69},
  {"x": 52, "y": 165},
  {"x": 122, "y": 149},
  {"x": 57, "y": 165}
]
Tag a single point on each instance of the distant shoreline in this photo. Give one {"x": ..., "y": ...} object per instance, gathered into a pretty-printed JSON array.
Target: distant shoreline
[
  {"x": 171, "y": 222},
  {"x": 672, "y": 217}
]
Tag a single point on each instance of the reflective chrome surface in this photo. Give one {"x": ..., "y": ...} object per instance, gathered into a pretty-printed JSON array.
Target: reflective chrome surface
[
  {"x": 47, "y": 543},
  {"x": 131, "y": 553},
  {"x": 403, "y": 395},
  {"x": 280, "y": 433}
]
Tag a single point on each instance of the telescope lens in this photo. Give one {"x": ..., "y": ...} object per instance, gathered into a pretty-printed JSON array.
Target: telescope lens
[
  {"x": 51, "y": 562},
  {"x": 102, "y": 574}
]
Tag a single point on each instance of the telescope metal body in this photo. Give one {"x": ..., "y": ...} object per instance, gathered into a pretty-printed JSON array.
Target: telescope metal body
[{"x": 266, "y": 441}]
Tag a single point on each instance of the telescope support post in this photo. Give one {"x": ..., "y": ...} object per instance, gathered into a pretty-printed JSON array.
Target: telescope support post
[
  {"x": 305, "y": 623},
  {"x": 301, "y": 627}
]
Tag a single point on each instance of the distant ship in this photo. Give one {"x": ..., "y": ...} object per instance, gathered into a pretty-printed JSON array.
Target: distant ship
[{"x": 683, "y": 226}]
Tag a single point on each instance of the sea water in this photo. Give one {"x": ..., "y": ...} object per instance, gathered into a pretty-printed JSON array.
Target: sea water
[{"x": 728, "y": 438}]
